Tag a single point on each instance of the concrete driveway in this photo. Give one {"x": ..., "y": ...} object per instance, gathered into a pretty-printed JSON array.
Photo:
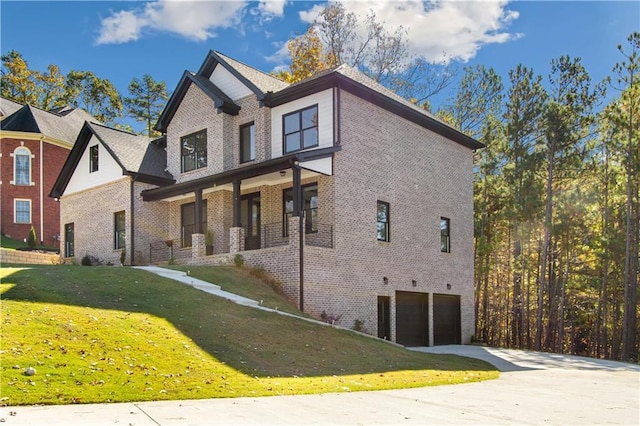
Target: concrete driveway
[{"x": 534, "y": 388}]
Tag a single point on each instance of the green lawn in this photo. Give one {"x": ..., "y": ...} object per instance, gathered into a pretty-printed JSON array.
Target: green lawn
[
  {"x": 12, "y": 243},
  {"x": 242, "y": 281},
  {"x": 107, "y": 334}
]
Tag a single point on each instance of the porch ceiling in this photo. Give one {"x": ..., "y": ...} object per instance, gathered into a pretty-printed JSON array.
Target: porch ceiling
[
  {"x": 269, "y": 179},
  {"x": 265, "y": 173}
]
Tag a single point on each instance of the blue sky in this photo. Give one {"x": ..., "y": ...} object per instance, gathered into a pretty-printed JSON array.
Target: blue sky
[{"x": 122, "y": 40}]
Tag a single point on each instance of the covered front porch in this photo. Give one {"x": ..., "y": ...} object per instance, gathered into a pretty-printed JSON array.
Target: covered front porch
[{"x": 284, "y": 202}]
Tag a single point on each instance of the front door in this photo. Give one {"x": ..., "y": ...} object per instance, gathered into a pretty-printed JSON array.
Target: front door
[
  {"x": 384, "y": 328},
  {"x": 250, "y": 220}
]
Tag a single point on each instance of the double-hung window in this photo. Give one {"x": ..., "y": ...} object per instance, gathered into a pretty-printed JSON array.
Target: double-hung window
[
  {"x": 300, "y": 129},
  {"x": 247, "y": 142},
  {"x": 445, "y": 235},
  {"x": 383, "y": 221},
  {"x": 22, "y": 166},
  {"x": 93, "y": 159},
  {"x": 309, "y": 206},
  {"x": 22, "y": 211},
  {"x": 119, "y": 232},
  {"x": 194, "y": 151},
  {"x": 68, "y": 240},
  {"x": 188, "y": 221}
]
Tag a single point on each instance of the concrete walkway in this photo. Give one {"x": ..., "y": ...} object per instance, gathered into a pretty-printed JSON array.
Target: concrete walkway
[{"x": 533, "y": 388}]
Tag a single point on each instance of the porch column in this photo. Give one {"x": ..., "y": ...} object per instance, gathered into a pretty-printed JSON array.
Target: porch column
[
  {"x": 236, "y": 204},
  {"x": 236, "y": 233},
  {"x": 236, "y": 240},
  {"x": 198, "y": 212},
  {"x": 198, "y": 247},
  {"x": 298, "y": 211}
]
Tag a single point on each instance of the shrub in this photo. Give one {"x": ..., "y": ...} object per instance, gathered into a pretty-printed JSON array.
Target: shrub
[
  {"x": 123, "y": 256},
  {"x": 31, "y": 239},
  {"x": 329, "y": 319},
  {"x": 238, "y": 260},
  {"x": 358, "y": 325},
  {"x": 89, "y": 260}
]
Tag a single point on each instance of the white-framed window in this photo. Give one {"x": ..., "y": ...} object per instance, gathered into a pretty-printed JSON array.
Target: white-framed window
[
  {"x": 21, "y": 166},
  {"x": 21, "y": 211}
]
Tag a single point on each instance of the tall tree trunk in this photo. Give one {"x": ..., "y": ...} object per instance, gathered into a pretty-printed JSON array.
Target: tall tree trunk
[
  {"x": 630, "y": 259},
  {"x": 546, "y": 243}
]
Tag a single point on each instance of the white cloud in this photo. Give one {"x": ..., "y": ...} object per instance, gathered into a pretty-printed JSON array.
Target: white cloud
[
  {"x": 197, "y": 20},
  {"x": 281, "y": 55},
  {"x": 438, "y": 29},
  {"x": 121, "y": 27},
  {"x": 271, "y": 7}
]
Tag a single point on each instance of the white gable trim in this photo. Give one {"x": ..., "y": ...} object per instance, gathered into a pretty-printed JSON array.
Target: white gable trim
[{"x": 228, "y": 83}]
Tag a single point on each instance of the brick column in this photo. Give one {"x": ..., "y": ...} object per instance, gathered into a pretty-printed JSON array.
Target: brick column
[
  {"x": 236, "y": 240},
  {"x": 198, "y": 247}
]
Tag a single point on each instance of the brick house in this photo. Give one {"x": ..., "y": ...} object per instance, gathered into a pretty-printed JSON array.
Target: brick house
[
  {"x": 34, "y": 145},
  {"x": 358, "y": 202}
]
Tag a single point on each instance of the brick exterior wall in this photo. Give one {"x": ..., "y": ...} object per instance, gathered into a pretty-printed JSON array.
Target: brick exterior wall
[
  {"x": 422, "y": 176},
  {"x": 54, "y": 157}
]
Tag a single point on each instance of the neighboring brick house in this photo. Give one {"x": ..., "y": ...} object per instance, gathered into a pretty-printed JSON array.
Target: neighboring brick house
[
  {"x": 358, "y": 202},
  {"x": 34, "y": 145}
]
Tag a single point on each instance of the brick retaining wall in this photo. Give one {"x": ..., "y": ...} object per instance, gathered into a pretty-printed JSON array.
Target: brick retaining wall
[{"x": 19, "y": 256}]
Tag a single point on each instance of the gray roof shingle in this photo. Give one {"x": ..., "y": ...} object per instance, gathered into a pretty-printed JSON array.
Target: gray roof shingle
[
  {"x": 135, "y": 153},
  {"x": 62, "y": 127},
  {"x": 263, "y": 81},
  {"x": 8, "y": 107}
]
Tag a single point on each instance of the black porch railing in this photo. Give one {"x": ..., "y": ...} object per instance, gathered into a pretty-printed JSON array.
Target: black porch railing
[
  {"x": 275, "y": 234},
  {"x": 321, "y": 237},
  {"x": 164, "y": 251}
]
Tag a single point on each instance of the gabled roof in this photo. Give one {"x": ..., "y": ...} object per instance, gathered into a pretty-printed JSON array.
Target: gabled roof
[
  {"x": 8, "y": 107},
  {"x": 221, "y": 101},
  {"x": 257, "y": 81},
  {"x": 271, "y": 92},
  {"x": 137, "y": 155},
  {"x": 48, "y": 123}
]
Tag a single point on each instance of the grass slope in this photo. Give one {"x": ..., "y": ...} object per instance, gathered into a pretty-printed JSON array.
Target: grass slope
[{"x": 108, "y": 334}]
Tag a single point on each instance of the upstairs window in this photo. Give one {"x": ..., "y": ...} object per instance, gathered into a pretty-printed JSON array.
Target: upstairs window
[
  {"x": 383, "y": 221},
  {"x": 119, "y": 232},
  {"x": 247, "y": 142},
  {"x": 445, "y": 235},
  {"x": 301, "y": 129},
  {"x": 22, "y": 211},
  {"x": 93, "y": 159},
  {"x": 22, "y": 166},
  {"x": 194, "y": 151}
]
